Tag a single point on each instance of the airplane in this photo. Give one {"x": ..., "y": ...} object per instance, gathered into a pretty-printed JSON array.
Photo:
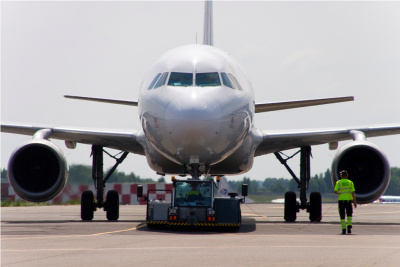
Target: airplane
[
  {"x": 388, "y": 200},
  {"x": 197, "y": 108}
]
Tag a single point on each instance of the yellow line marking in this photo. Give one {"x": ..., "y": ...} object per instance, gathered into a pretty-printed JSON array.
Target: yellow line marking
[
  {"x": 70, "y": 236},
  {"x": 113, "y": 232}
]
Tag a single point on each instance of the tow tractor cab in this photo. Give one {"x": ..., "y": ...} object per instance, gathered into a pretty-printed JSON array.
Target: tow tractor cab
[{"x": 192, "y": 203}]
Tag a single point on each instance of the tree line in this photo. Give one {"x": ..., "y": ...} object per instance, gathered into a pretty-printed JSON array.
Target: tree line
[
  {"x": 82, "y": 174},
  {"x": 318, "y": 183}
]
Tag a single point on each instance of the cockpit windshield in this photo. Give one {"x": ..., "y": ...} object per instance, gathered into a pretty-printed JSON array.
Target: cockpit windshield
[
  {"x": 158, "y": 81},
  {"x": 180, "y": 79},
  {"x": 208, "y": 79},
  {"x": 193, "y": 193},
  {"x": 202, "y": 79}
]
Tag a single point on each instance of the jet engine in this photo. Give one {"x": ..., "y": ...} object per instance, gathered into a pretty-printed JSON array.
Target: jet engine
[
  {"x": 37, "y": 170},
  {"x": 367, "y": 166}
]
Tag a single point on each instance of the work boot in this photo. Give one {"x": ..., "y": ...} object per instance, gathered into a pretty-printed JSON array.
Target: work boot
[
  {"x": 343, "y": 231},
  {"x": 349, "y": 229}
]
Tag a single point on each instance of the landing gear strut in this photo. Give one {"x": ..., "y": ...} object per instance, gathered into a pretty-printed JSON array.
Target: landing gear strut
[
  {"x": 314, "y": 206},
  {"x": 88, "y": 203},
  {"x": 196, "y": 170}
]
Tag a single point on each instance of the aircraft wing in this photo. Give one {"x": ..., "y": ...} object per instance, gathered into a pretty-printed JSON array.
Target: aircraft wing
[
  {"x": 267, "y": 107},
  {"x": 121, "y": 140},
  {"x": 283, "y": 140},
  {"x": 104, "y": 100}
]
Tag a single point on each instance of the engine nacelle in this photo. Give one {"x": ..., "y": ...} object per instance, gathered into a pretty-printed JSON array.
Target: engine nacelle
[
  {"x": 367, "y": 166},
  {"x": 37, "y": 170}
]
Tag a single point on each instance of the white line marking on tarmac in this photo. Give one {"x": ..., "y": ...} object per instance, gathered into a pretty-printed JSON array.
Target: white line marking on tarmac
[{"x": 191, "y": 248}]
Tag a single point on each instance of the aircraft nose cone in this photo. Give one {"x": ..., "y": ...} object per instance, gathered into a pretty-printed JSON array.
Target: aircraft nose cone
[{"x": 193, "y": 123}]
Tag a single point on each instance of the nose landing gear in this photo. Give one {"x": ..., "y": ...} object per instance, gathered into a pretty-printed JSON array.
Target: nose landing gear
[{"x": 196, "y": 170}]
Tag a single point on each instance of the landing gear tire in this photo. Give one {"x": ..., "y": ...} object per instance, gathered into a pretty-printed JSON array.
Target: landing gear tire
[
  {"x": 315, "y": 207},
  {"x": 87, "y": 205},
  {"x": 112, "y": 203},
  {"x": 290, "y": 207}
]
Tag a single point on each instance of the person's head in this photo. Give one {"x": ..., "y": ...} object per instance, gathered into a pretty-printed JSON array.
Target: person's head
[
  {"x": 343, "y": 174},
  {"x": 194, "y": 186}
]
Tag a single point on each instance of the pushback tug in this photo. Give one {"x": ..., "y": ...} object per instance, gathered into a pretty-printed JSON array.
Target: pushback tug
[{"x": 192, "y": 203}]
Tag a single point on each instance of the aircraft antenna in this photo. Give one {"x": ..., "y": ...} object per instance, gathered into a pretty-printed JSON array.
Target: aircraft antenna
[{"x": 208, "y": 38}]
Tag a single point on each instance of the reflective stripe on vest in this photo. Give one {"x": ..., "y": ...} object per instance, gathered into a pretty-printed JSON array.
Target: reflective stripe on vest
[
  {"x": 344, "y": 190},
  {"x": 345, "y": 187}
]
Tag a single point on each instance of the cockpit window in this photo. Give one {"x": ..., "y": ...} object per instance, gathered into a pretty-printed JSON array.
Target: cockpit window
[
  {"x": 180, "y": 79},
  {"x": 226, "y": 81},
  {"x": 154, "y": 81},
  {"x": 237, "y": 85},
  {"x": 208, "y": 79},
  {"x": 162, "y": 80}
]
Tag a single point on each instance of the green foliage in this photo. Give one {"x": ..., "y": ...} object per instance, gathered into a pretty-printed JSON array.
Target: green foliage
[
  {"x": 276, "y": 185},
  {"x": 233, "y": 185},
  {"x": 82, "y": 174},
  {"x": 253, "y": 185},
  {"x": 23, "y": 203},
  {"x": 4, "y": 173},
  {"x": 319, "y": 183},
  {"x": 394, "y": 184},
  {"x": 327, "y": 179},
  {"x": 20, "y": 203},
  {"x": 293, "y": 186},
  {"x": 161, "y": 179}
]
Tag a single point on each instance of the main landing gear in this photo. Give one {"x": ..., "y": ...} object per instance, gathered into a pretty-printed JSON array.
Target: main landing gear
[
  {"x": 314, "y": 206},
  {"x": 111, "y": 204}
]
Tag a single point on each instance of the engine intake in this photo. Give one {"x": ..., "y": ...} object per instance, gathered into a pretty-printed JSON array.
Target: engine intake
[
  {"x": 367, "y": 166},
  {"x": 37, "y": 170}
]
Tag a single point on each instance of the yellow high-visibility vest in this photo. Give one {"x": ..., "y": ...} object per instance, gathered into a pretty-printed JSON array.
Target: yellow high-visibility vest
[{"x": 345, "y": 187}]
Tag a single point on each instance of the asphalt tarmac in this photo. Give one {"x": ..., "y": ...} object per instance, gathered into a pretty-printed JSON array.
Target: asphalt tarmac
[{"x": 55, "y": 236}]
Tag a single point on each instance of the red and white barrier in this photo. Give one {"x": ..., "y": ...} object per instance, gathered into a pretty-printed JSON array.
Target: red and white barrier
[{"x": 127, "y": 192}]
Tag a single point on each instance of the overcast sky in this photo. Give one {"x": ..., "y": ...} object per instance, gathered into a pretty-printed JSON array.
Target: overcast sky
[{"x": 290, "y": 50}]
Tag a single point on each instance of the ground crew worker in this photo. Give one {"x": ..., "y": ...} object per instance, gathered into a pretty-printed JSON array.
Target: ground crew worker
[
  {"x": 345, "y": 189},
  {"x": 194, "y": 193}
]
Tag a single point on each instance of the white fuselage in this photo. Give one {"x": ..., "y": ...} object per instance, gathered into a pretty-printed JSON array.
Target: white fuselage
[{"x": 196, "y": 106}]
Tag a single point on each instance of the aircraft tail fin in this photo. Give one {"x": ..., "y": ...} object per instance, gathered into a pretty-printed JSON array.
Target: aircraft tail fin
[
  {"x": 208, "y": 38},
  {"x": 223, "y": 188}
]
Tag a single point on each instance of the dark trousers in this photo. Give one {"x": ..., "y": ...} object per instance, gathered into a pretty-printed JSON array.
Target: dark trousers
[{"x": 345, "y": 208}]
